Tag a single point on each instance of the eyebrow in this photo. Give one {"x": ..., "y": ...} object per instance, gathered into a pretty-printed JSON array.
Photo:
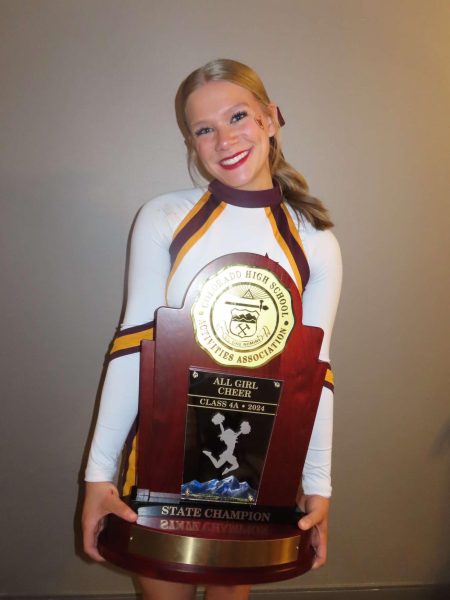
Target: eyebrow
[{"x": 231, "y": 109}]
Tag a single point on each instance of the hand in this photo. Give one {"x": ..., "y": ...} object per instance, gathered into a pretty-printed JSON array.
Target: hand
[
  {"x": 317, "y": 508},
  {"x": 101, "y": 499}
]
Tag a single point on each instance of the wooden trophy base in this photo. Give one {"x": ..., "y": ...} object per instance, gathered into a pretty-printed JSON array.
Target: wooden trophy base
[{"x": 207, "y": 551}]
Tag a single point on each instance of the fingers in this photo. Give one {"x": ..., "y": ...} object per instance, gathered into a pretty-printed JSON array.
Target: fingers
[
  {"x": 319, "y": 544},
  {"x": 321, "y": 554},
  {"x": 307, "y": 522},
  {"x": 101, "y": 499},
  {"x": 317, "y": 508},
  {"x": 315, "y": 517},
  {"x": 91, "y": 531},
  {"x": 319, "y": 536},
  {"x": 122, "y": 510}
]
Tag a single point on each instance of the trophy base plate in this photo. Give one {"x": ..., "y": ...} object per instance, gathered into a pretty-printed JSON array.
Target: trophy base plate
[{"x": 207, "y": 551}]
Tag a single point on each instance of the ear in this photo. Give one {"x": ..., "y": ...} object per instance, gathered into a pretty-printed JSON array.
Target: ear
[{"x": 272, "y": 119}]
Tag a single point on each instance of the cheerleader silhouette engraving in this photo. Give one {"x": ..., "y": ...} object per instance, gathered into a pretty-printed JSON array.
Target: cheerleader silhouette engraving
[{"x": 229, "y": 438}]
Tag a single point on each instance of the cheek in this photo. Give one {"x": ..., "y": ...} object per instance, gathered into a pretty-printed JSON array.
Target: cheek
[
  {"x": 262, "y": 142},
  {"x": 256, "y": 134},
  {"x": 203, "y": 149},
  {"x": 250, "y": 128}
]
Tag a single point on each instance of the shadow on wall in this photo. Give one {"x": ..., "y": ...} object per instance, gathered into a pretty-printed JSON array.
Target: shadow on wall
[{"x": 441, "y": 451}]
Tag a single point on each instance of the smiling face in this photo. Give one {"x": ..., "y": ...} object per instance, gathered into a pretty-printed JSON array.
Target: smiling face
[{"x": 230, "y": 133}]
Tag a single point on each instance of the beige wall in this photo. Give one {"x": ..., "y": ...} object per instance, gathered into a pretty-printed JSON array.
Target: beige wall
[{"x": 88, "y": 135}]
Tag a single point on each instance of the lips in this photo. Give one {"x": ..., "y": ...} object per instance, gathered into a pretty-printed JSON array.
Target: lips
[{"x": 235, "y": 161}]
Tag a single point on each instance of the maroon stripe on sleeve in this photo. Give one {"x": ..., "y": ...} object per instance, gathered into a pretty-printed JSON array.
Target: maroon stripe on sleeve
[
  {"x": 123, "y": 352},
  {"x": 135, "y": 329},
  {"x": 192, "y": 227},
  {"x": 328, "y": 385}
]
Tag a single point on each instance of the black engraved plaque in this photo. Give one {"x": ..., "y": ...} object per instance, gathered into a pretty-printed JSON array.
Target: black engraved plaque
[{"x": 228, "y": 428}]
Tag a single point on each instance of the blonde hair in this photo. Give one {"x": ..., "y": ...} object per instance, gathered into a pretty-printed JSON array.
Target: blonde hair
[{"x": 293, "y": 185}]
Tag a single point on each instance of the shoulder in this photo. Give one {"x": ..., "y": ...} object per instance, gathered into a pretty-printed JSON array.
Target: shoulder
[
  {"x": 318, "y": 241},
  {"x": 171, "y": 203},
  {"x": 322, "y": 253},
  {"x": 161, "y": 215},
  {"x": 321, "y": 249}
]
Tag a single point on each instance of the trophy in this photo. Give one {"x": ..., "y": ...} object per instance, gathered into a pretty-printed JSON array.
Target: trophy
[{"x": 229, "y": 390}]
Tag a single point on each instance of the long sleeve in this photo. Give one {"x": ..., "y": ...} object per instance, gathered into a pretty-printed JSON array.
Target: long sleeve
[
  {"x": 148, "y": 270},
  {"x": 320, "y": 301}
]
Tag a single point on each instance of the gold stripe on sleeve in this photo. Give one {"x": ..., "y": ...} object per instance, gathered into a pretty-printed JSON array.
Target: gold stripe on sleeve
[
  {"x": 191, "y": 214},
  {"x": 329, "y": 377},
  {"x": 130, "y": 478},
  {"x": 193, "y": 240},
  {"x": 131, "y": 340}
]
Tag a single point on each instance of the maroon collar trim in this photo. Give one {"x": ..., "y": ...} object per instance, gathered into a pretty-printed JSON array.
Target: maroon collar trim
[{"x": 245, "y": 198}]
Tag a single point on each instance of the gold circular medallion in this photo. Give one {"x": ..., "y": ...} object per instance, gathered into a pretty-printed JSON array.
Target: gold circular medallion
[{"x": 243, "y": 316}]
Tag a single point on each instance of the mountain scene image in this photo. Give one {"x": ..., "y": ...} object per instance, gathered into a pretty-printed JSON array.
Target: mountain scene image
[{"x": 229, "y": 489}]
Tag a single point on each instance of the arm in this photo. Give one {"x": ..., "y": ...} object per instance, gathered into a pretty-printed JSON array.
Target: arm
[
  {"x": 148, "y": 269},
  {"x": 320, "y": 300}
]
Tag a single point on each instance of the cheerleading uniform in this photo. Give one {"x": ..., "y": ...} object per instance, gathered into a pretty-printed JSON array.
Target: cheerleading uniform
[{"x": 174, "y": 237}]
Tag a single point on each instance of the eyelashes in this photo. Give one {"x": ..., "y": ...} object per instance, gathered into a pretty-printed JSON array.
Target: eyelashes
[
  {"x": 239, "y": 116},
  {"x": 235, "y": 118},
  {"x": 202, "y": 131}
]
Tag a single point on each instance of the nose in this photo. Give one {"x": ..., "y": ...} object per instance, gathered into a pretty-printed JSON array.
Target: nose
[{"x": 225, "y": 137}]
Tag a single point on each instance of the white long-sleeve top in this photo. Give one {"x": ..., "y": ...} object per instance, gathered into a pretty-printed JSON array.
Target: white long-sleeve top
[{"x": 174, "y": 237}]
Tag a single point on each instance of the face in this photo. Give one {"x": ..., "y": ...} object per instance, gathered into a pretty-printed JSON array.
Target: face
[{"x": 230, "y": 133}]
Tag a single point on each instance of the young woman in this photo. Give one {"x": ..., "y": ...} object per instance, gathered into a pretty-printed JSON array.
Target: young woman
[{"x": 256, "y": 202}]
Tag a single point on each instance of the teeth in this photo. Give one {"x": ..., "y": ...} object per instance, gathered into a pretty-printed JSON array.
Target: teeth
[{"x": 235, "y": 159}]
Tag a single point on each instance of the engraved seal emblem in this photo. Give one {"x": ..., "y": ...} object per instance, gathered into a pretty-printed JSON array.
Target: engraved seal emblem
[{"x": 243, "y": 316}]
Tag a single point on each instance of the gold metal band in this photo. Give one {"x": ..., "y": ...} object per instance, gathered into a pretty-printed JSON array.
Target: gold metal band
[{"x": 213, "y": 552}]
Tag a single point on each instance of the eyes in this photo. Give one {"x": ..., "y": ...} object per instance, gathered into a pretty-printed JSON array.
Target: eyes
[
  {"x": 235, "y": 118},
  {"x": 239, "y": 116},
  {"x": 202, "y": 131}
]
